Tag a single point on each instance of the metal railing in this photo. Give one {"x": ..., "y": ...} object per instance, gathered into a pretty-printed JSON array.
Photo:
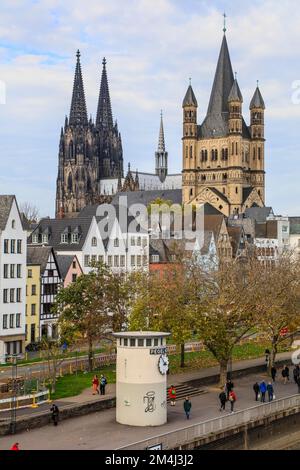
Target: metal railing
[{"x": 179, "y": 437}]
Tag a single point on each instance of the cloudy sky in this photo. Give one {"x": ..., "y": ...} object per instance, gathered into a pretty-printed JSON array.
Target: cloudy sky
[{"x": 152, "y": 48}]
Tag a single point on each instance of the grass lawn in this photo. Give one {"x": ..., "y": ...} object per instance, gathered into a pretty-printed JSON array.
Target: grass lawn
[{"x": 72, "y": 385}]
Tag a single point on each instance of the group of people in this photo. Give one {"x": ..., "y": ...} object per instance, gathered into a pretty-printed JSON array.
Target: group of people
[
  {"x": 228, "y": 395},
  {"x": 261, "y": 389},
  {"x": 187, "y": 404},
  {"x": 96, "y": 382}
]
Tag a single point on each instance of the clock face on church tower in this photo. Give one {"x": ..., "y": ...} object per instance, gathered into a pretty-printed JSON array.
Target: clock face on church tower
[{"x": 163, "y": 364}]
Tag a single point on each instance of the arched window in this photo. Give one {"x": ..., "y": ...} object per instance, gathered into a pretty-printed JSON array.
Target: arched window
[
  {"x": 70, "y": 182},
  {"x": 206, "y": 155},
  {"x": 191, "y": 193},
  {"x": 13, "y": 224},
  {"x": 236, "y": 190},
  {"x": 186, "y": 152},
  {"x": 71, "y": 152},
  {"x": 88, "y": 185},
  {"x": 191, "y": 152}
]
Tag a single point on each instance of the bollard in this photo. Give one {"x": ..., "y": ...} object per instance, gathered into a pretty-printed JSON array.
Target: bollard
[
  {"x": 71, "y": 369},
  {"x": 34, "y": 404}
]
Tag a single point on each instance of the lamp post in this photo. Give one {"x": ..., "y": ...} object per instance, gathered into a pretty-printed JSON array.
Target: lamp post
[{"x": 13, "y": 414}]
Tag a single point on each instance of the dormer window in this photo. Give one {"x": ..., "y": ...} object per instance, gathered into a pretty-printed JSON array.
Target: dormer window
[
  {"x": 35, "y": 238},
  {"x": 155, "y": 258},
  {"x": 75, "y": 238},
  {"x": 45, "y": 238},
  {"x": 64, "y": 238}
]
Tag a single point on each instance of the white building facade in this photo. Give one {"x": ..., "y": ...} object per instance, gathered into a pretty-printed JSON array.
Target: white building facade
[{"x": 12, "y": 279}]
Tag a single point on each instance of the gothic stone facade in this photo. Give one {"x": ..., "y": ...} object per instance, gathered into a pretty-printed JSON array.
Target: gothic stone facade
[
  {"x": 224, "y": 159},
  {"x": 88, "y": 151}
]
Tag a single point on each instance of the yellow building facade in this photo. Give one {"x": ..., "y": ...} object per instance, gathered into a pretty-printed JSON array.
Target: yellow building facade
[
  {"x": 224, "y": 158},
  {"x": 33, "y": 303}
]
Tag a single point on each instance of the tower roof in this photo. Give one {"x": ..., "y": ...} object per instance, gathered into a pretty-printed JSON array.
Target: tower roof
[
  {"x": 104, "y": 113},
  {"x": 161, "y": 139},
  {"x": 257, "y": 100},
  {"x": 78, "y": 112},
  {"x": 190, "y": 98},
  {"x": 235, "y": 93},
  {"x": 216, "y": 122}
]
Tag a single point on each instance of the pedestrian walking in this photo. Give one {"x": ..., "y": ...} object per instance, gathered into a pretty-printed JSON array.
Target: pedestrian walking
[
  {"x": 273, "y": 373},
  {"x": 263, "y": 389},
  {"x": 232, "y": 399},
  {"x": 229, "y": 387},
  {"x": 95, "y": 384},
  {"x": 256, "y": 390},
  {"x": 270, "y": 391},
  {"x": 296, "y": 374},
  {"x": 285, "y": 374},
  {"x": 15, "y": 446},
  {"x": 103, "y": 383},
  {"x": 55, "y": 414},
  {"x": 172, "y": 395},
  {"x": 223, "y": 400},
  {"x": 187, "y": 405},
  {"x": 268, "y": 354}
]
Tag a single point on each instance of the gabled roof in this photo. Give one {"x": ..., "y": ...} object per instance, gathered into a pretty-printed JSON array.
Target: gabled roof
[
  {"x": 55, "y": 227},
  {"x": 259, "y": 214},
  {"x": 64, "y": 263},
  {"x": 5, "y": 208},
  {"x": 146, "y": 197},
  {"x": 213, "y": 223},
  {"x": 257, "y": 100},
  {"x": 246, "y": 193},
  {"x": 190, "y": 98},
  {"x": 38, "y": 255}
]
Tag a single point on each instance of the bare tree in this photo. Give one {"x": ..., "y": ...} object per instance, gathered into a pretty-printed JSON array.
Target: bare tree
[{"x": 30, "y": 211}]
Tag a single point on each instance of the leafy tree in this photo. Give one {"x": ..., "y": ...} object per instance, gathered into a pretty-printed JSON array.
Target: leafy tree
[
  {"x": 162, "y": 305},
  {"x": 84, "y": 310},
  {"x": 279, "y": 305},
  {"x": 222, "y": 303},
  {"x": 55, "y": 355}
]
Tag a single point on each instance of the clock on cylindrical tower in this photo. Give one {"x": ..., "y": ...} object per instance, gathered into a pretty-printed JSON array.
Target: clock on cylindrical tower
[{"x": 141, "y": 383}]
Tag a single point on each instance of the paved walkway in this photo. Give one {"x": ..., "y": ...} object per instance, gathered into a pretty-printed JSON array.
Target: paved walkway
[
  {"x": 186, "y": 376},
  {"x": 100, "y": 431}
]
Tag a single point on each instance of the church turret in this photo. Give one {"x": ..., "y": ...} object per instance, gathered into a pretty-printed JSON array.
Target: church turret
[
  {"x": 257, "y": 111},
  {"x": 189, "y": 139},
  {"x": 161, "y": 156},
  {"x": 235, "y": 101}
]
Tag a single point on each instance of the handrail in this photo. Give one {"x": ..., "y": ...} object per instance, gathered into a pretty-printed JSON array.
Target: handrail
[{"x": 238, "y": 418}]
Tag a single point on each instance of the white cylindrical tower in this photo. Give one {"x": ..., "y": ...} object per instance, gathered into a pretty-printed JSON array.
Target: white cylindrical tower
[{"x": 142, "y": 366}]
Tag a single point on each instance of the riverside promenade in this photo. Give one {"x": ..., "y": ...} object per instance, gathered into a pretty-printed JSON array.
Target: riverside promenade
[{"x": 100, "y": 431}]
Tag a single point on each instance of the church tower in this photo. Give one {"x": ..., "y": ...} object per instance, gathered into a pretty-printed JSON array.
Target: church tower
[
  {"x": 223, "y": 158},
  {"x": 77, "y": 167},
  {"x": 161, "y": 156},
  {"x": 109, "y": 143}
]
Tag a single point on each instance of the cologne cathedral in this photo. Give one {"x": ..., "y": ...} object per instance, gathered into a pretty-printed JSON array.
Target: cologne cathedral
[{"x": 89, "y": 151}]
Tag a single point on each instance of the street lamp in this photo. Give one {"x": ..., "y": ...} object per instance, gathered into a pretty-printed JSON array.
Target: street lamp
[{"x": 13, "y": 414}]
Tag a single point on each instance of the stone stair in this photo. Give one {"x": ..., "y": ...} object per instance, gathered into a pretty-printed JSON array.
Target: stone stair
[{"x": 183, "y": 390}]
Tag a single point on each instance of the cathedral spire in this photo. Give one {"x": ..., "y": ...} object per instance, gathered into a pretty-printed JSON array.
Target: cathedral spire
[
  {"x": 161, "y": 138},
  {"x": 78, "y": 112},
  {"x": 104, "y": 113}
]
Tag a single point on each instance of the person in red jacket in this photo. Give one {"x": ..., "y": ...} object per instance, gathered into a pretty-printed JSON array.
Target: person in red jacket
[
  {"x": 232, "y": 399},
  {"x": 15, "y": 446},
  {"x": 172, "y": 395},
  {"x": 95, "y": 384}
]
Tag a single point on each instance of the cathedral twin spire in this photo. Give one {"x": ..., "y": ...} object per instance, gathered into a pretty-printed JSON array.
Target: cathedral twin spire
[{"x": 78, "y": 111}]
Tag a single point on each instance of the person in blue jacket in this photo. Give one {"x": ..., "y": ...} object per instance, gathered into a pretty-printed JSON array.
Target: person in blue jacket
[{"x": 263, "y": 389}]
